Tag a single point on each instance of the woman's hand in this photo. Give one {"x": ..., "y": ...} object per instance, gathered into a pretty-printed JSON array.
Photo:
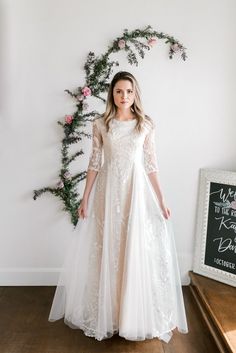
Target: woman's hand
[
  {"x": 165, "y": 210},
  {"x": 82, "y": 210}
]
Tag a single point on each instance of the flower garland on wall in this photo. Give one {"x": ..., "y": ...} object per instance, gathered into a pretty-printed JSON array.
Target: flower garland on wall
[{"x": 98, "y": 70}]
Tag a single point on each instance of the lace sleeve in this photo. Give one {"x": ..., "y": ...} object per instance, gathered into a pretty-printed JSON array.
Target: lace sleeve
[
  {"x": 95, "y": 159},
  {"x": 149, "y": 149}
]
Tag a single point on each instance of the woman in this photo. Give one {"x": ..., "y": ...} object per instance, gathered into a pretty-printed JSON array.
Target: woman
[{"x": 121, "y": 272}]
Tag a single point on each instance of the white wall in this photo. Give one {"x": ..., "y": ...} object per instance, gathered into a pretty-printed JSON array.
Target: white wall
[{"x": 43, "y": 49}]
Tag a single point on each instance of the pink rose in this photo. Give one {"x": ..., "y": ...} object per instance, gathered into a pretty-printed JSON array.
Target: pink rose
[
  {"x": 175, "y": 47},
  {"x": 86, "y": 91},
  {"x": 121, "y": 44},
  {"x": 152, "y": 41},
  {"x": 60, "y": 184},
  {"x": 69, "y": 119}
]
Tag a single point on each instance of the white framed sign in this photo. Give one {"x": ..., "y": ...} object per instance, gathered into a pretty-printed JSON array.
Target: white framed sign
[{"x": 215, "y": 238}]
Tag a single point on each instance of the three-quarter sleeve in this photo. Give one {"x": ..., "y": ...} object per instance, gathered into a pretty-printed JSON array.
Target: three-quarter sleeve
[
  {"x": 95, "y": 159},
  {"x": 149, "y": 149}
]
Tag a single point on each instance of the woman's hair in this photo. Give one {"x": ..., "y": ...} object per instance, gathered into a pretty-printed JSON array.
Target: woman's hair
[{"x": 136, "y": 107}]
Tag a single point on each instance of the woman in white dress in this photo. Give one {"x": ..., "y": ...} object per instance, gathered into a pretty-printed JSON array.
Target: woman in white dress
[{"x": 120, "y": 272}]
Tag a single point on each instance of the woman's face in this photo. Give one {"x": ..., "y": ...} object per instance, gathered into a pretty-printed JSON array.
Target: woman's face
[{"x": 123, "y": 94}]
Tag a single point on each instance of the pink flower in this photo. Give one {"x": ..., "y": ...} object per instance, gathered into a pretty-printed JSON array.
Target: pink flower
[
  {"x": 152, "y": 41},
  {"x": 174, "y": 47},
  {"x": 80, "y": 97},
  {"x": 121, "y": 44},
  {"x": 233, "y": 205},
  {"x": 86, "y": 91},
  {"x": 60, "y": 184},
  {"x": 69, "y": 119},
  {"x": 67, "y": 175}
]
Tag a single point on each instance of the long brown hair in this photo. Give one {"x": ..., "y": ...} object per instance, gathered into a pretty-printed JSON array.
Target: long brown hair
[{"x": 136, "y": 107}]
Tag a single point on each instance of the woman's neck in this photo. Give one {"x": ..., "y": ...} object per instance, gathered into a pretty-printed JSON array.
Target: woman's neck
[{"x": 125, "y": 115}]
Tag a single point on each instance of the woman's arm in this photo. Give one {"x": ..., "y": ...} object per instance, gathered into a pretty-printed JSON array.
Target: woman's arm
[
  {"x": 90, "y": 178},
  {"x": 94, "y": 166},
  {"x": 151, "y": 167},
  {"x": 156, "y": 186}
]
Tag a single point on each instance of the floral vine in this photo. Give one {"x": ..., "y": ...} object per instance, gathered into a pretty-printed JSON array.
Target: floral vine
[{"x": 98, "y": 70}]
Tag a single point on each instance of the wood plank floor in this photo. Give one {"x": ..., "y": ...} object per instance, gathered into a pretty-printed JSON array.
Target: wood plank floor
[{"x": 24, "y": 328}]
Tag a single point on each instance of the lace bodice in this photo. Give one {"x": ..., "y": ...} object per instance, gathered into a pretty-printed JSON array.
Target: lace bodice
[{"x": 122, "y": 142}]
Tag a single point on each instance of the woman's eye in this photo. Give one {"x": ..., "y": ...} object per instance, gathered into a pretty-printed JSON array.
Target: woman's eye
[{"x": 128, "y": 91}]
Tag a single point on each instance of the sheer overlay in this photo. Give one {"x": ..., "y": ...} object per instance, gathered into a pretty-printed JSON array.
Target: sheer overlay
[
  {"x": 149, "y": 148},
  {"x": 120, "y": 273},
  {"x": 95, "y": 159}
]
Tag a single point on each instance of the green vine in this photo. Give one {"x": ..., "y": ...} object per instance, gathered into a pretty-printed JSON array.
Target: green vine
[{"x": 98, "y": 70}]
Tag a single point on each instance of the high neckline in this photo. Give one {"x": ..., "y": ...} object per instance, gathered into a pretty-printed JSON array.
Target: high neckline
[{"x": 125, "y": 121}]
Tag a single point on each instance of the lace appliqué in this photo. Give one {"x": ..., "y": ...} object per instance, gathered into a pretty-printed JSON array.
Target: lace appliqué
[
  {"x": 149, "y": 148},
  {"x": 95, "y": 159},
  {"x": 158, "y": 247}
]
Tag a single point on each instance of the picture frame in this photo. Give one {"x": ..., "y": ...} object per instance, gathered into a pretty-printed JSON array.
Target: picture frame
[{"x": 215, "y": 235}]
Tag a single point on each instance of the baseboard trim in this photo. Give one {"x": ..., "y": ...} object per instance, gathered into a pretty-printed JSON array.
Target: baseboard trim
[
  {"x": 29, "y": 276},
  {"x": 48, "y": 276}
]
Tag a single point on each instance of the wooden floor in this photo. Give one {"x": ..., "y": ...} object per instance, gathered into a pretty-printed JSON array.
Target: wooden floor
[
  {"x": 217, "y": 304},
  {"x": 24, "y": 328}
]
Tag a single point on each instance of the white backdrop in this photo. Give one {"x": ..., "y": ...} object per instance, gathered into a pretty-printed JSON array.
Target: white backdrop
[{"x": 44, "y": 44}]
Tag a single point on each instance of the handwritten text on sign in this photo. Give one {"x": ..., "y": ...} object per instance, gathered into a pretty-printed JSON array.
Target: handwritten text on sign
[{"x": 221, "y": 228}]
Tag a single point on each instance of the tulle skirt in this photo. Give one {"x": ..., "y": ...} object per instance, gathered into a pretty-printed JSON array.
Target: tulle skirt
[{"x": 123, "y": 279}]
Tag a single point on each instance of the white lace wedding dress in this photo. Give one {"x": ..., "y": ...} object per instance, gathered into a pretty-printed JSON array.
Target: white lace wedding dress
[{"x": 120, "y": 273}]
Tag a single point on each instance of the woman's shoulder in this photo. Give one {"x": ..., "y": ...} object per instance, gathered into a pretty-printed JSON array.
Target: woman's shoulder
[
  {"x": 98, "y": 120},
  {"x": 149, "y": 122}
]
